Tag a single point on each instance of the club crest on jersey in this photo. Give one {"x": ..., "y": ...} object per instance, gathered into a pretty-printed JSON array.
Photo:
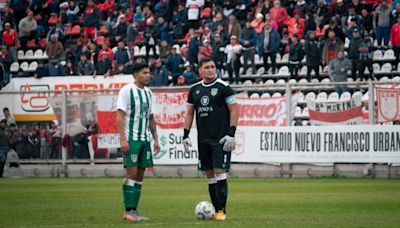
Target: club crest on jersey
[
  {"x": 197, "y": 91},
  {"x": 134, "y": 157},
  {"x": 204, "y": 100},
  {"x": 214, "y": 91}
]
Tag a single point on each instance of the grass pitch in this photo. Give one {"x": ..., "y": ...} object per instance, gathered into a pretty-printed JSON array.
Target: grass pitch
[{"x": 97, "y": 202}]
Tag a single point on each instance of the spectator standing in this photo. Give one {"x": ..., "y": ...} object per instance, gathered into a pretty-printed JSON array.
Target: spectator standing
[
  {"x": 159, "y": 75},
  {"x": 279, "y": 14},
  {"x": 234, "y": 27},
  {"x": 7, "y": 115},
  {"x": 121, "y": 29},
  {"x": 27, "y": 30},
  {"x": 194, "y": 47},
  {"x": 22, "y": 146},
  {"x": 268, "y": 43},
  {"x": 296, "y": 25},
  {"x": 366, "y": 50},
  {"x": 10, "y": 39},
  {"x": 72, "y": 11},
  {"x": 333, "y": 26},
  {"x": 174, "y": 64},
  {"x": 395, "y": 40},
  {"x": 354, "y": 53},
  {"x": 4, "y": 145},
  {"x": 122, "y": 54},
  {"x": 233, "y": 51},
  {"x": 13, "y": 136},
  {"x": 218, "y": 54},
  {"x": 349, "y": 20},
  {"x": 44, "y": 142},
  {"x": 366, "y": 21},
  {"x": 194, "y": 8},
  {"x": 258, "y": 23},
  {"x": 85, "y": 67},
  {"x": 395, "y": 14},
  {"x": 312, "y": 51},
  {"x": 55, "y": 143},
  {"x": 205, "y": 51},
  {"x": 296, "y": 55},
  {"x": 91, "y": 20},
  {"x": 248, "y": 39},
  {"x": 309, "y": 23},
  {"x": 34, "y": 141},
  {"x": 381, "y": 23},
  {"x": 338, "y": 68},
  {"x": 322, "y": 13},
  {"x": 330, "y": 48}
]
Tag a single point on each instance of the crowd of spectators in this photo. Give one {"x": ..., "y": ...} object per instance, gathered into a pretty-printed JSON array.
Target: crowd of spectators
[
  {"x": 108, "y": 31},
  {"x": 44, "y": 140}
]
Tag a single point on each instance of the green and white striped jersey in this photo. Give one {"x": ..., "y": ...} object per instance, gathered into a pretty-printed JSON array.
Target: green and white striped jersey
[{"x": 137, "y": 104}]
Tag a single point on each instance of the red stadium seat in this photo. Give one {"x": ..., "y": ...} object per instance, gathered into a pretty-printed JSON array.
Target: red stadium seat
[
  {"x": 52, "y": 20},
  {"x": 76, "y": 30}
]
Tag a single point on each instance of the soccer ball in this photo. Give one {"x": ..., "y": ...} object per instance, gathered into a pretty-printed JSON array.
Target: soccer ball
[{"x": 204, "y": 210}]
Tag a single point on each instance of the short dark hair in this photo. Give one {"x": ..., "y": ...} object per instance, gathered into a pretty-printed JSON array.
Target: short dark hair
[
  {"x": 204, "y": 60},
  {"x": 6, "y": 109},
  {"x": 139, "y": 66}
]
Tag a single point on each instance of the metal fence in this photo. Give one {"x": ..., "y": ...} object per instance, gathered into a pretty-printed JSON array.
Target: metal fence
[{"x": 67, "y": 96}]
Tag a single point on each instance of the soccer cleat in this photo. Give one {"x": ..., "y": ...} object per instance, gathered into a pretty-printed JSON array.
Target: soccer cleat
[
  {"x": 219, "y": 216},
  {"x": 133, "y": 216}
]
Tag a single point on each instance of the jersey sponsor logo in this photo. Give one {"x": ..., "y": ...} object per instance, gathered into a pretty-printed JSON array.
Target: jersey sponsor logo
[
  {"x": 205, "y": 100},
  {"x": 214, "y": 91},
  {"x": 144, "y": 110},
  {"x": 197, "y": 91},
  {"x": 134, "y": 157}
]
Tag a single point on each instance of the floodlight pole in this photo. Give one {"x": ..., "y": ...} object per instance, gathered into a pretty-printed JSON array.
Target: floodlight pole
[{"x": 64, "y": 131}]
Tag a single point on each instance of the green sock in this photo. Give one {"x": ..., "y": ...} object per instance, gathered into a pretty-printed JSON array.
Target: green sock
[{"x": 131, "y": 192}]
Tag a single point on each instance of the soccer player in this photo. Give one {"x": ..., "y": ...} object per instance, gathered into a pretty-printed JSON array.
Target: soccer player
[
  {"x": 214, "y": 102},
  {"x": 135, "y": 122}
]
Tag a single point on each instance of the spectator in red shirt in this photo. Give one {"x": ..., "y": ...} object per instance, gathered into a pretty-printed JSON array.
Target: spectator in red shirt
[
  {"x": 296, "y": 25},
  {"x": 205, "y": 51},
  {"x": 107, "y": 50},
  {"x": 279, "y": 14},
  {"x": 395, "y": 40},
  {"x": 91, "y": 20},
  {"x": 10, "y": 39}
]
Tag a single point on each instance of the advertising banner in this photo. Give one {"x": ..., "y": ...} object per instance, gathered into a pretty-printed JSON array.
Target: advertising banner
[
  {"x": 264, "y": 111},
  {"x": 35, "y": 106}
]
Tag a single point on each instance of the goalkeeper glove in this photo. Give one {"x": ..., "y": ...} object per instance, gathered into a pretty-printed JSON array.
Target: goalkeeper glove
[
  {"x": 186, "y": 140},
  {"x": 229, "y": 140}
]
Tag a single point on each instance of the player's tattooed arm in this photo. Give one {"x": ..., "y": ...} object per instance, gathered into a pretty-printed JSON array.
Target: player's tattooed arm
[
  {"x": 153, "y": 130},
  {"x": 152, "y": 125}
]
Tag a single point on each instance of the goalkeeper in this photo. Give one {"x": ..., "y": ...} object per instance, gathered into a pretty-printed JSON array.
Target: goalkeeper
[{"x": 214, "y": 102}]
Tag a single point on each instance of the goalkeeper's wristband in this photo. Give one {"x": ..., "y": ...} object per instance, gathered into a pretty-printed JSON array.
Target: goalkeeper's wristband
[
  {"x": 186, "y": 133},
  {"x": 232, "y": 131}
]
